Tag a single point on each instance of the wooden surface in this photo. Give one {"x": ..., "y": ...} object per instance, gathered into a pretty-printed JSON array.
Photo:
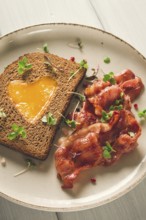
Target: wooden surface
[{"x": 126, "y": 19}]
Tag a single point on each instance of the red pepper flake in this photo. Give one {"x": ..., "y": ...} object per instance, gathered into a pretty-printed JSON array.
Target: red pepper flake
[
  {"x": 93, "y": 180},
  {"x": 72, "y": 59},
  {"x": 136, "y": 106}
]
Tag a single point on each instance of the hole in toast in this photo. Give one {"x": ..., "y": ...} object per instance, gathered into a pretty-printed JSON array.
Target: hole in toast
[{"x": 31, "y": 99}]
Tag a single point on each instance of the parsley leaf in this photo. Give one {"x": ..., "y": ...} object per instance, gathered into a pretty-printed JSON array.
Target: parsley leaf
[
  {"x": 23, "y": 65},
  {"x": 49, "y": 119},
  {"x": 17, "y": 131},
  {"x": 109, "y": 78}
]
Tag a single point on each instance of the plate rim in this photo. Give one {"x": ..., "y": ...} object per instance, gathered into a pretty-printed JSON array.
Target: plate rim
[{"x": 92, "y": 204}]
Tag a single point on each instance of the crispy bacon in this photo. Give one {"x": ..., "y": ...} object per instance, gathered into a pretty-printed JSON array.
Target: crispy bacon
[
  {"x": 120, "y": 136},
  {"x": 132, "y": 87},
  {"x": 96, "y": 87},
  {"x": 83, "y": 149},
  {"x": 85, "y": 116},
  {"x": 125, "y": 75},
  {"x": 107, "y": 97}
]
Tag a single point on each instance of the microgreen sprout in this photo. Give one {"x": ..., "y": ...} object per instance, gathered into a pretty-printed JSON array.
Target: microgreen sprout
[
  {"x": 107, "y": 150},
  {"x": 76, "y": 107},
  {"x": 23, "y": 65},
  {"x": 45, "y": 48},
  {"x": 49, "y": 119},
  {"x": 109, "y": 78},
  {"x": 118, "y": 104},
  {"x": 142, "y": 114},
  {"x": 106, "y": 116},
  {"x": 17, "y": 131},
  {"x": 79, "y": 95},
  {"x": 70, "y": 123},
  {"x": 83, "y": 64},
  {"x": 93, "y": 76},
  {"x": 49, "y": 64},
  {"x": 79, "y": 42},
  {"x": 30, "y": 164},
  {"x": 116, "y": 107}
]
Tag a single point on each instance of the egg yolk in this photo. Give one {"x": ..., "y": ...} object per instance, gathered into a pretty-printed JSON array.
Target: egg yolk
[{"x": 31, "y": 98}]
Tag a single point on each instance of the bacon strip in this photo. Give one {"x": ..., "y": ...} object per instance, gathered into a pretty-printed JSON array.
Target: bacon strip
[{"x": 83, "y": 149}]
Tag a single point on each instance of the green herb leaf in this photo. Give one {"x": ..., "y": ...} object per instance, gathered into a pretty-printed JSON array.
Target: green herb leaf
[
  {"x": 17, "y": 131},
  {"x": 23, "y": 65},
  {"x": 106, "y": 116},
  {"x": 49, "y": 119},
  {"x": 83, "y": 64},
  {"x": 116, "y": 107},
  {"x": 107, "y": 60},
  {"x": 106, "y": 153},
  {"x": 45, "y": 48},
  {"x": 109, "y": 77},
  {"x": 142, "y": 114},
  {"x": 107, "y": 150},
  {"x": 118, "y": 103},
  {"x": 12, "y": 135},
  {"x": 71, "y": 123}
]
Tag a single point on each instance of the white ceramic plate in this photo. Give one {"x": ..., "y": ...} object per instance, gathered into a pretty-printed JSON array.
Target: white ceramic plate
[{"x": 40, "y": 188}]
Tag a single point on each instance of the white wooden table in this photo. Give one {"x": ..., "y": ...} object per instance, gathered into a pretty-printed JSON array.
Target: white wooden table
[{"x": 126, "y": 19}]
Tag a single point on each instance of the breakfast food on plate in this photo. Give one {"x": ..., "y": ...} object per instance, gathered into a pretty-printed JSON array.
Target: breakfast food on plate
[
  {"x": 34, "y": 91},
  {"x": 105, "y": 127}
]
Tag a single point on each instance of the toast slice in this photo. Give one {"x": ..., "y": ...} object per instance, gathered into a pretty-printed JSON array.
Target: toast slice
[{"x": 39, "y": 138}]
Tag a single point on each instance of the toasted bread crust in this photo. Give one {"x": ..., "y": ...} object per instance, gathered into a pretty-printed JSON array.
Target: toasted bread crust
[{"x": 39, "y": 135}]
